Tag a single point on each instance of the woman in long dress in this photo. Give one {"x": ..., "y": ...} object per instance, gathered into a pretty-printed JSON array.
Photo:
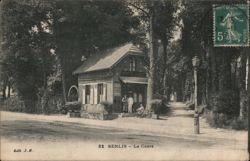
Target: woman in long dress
[{"x": 130, "y": 104}]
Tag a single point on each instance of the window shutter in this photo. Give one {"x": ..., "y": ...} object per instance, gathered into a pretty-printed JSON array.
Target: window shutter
[
  {"x": 91, "y": 94},
  {"x": 95, "y": 94},
  {"x": 83, "y": 94},
  {"x": 104, "y": 92}
]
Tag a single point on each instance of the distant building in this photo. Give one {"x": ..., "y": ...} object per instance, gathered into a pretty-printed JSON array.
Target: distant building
[{"x": 111, "y": 75}]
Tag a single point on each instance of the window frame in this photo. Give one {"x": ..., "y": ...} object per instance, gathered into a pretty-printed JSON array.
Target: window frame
[
  {"x": 100, "y": 92},
  {"x": 87, "y": 93}
]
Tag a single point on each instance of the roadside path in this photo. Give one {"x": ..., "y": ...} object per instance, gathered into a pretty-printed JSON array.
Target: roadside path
[
  {"x": 57, "y": 137},
  {"x": 179, "y": 124}
]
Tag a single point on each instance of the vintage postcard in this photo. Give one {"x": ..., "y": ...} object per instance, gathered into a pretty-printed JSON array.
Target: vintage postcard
[{"x": 124, "y": 80}]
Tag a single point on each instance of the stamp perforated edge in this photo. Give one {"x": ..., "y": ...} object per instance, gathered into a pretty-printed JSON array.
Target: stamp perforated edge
[{"x": 231, "y": 45}]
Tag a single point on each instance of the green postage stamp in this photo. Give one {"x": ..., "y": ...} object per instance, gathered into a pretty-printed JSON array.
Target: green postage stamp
[{"x": 231, "y": 25}]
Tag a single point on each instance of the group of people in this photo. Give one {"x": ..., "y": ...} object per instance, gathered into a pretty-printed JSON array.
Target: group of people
[{"x": 127, "y": 105}]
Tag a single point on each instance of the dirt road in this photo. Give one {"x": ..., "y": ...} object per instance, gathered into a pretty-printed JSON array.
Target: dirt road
[{"x": 26, "y": 136}]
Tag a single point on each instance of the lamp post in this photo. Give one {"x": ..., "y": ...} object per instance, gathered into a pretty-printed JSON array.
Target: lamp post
[
  {"x": 196, "y": 62},
  {"x": 248, "y": 89}
]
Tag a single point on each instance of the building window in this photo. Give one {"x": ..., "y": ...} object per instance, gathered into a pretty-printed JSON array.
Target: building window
[
  {"x": 87, "y": 94},
  {"x": 100, "y": 93},
  {"x": 132, "y": 64},
  {"x": 94, "y": 93}
]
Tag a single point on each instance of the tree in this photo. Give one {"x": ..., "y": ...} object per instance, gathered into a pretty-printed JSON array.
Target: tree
[
  {"x": 91, "y": 27},
  {"x": 44, "y": 40},
  {"x": 159, "y": 19},
  {"x": 26, "y": 45},
  {"x": 218, "y": 73}
]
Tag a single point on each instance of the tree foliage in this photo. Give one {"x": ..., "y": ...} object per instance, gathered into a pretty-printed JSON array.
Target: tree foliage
[
  {"x": 45, "y": 40},
  {"x": 158, "y": 20},
  {"x": 26, "y": 46}
]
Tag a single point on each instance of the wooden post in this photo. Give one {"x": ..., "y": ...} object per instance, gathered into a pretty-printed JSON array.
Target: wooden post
[{"x": 195, "y": 62}]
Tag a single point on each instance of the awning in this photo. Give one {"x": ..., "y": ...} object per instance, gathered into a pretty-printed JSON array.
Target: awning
[{"x": 137, "y": 80}]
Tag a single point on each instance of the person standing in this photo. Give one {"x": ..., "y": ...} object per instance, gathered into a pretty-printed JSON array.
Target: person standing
[
  {"x": 124, "y": 104},
  {"x": 130, "y": 104}
]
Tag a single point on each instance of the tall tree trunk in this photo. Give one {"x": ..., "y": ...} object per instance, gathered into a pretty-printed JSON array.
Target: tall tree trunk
[
  {"x": 213, "y": 73},
  {"x": 183, "y": 87},
  {"x": 164, "y": 79},
  {"x": 4, "y": 90},
  {"x": 228, "y": 74},
  {"x": 225, "y": 71},
  {"x": 63, "y": 80},
  {"x": 150, "y": 87},
  {"x": 203, "y": 77},
  {"x": 164, "y": 82},
  {"x": 45, "y": 96},
  {"x": 180, "y": 88},
  {"x": 9, "y": 86},
  {"x": 208, "y": 77},
  {"x": 241, "y": 83},
  {"x": 5, "y": 84}
]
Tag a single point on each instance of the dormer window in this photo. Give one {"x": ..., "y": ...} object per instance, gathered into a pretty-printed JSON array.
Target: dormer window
[{"x": 132, "y": 64}]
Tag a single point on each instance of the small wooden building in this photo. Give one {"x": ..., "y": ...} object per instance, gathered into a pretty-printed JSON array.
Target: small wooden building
[{"x": 111, "y": 75}]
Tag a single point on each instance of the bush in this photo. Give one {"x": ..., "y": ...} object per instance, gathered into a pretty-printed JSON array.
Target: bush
[
  {"x": 160, "y": 105},
  {"x": 239, "y": 124},
  {"x": 223, "y": 110},
  {"x": 30, "y": 106},
  {"x": 156, "y": 105},
  {"x": 225, "y": 102},
  {"x": 13, "y": 104},
  {"x": 217, "y": 120},
  {"x": 190, "y": 105},
  {"x": 165, "y": 108},
  {"x": 243, "y": 104},
  {"x": 224, "y": 121},
  {"x": 107, "y": 106},
  {"x": 73, "y": 106},
  {"x": 55, "y": 104}
]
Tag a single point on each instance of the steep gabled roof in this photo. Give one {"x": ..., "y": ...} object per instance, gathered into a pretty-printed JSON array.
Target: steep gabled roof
[{"x": 107, "y": 59}]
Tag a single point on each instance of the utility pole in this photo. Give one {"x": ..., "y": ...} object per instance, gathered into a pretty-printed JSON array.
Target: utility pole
[{"x": 196, "y": 62}]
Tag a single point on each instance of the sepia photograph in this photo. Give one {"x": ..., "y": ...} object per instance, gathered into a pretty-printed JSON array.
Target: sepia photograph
[{"x": 116, "y": 80}]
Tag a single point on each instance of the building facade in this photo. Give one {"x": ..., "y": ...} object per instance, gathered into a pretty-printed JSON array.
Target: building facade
[{"x": 110, "y": 75}]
